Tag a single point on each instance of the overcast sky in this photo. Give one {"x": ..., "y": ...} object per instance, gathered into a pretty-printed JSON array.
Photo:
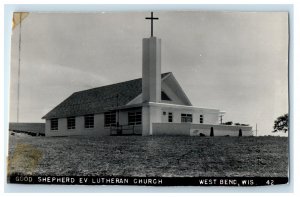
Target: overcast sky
[{"x": 233, "y": 61}]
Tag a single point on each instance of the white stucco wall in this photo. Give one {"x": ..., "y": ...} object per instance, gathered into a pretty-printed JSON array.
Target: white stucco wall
[
  {"x": 188, "y": 129},
  {"x": 154, "y": 113},
  {"x": 98, "y": 129},
  {"x": 210, "y": 116},
  {"x": 220, "y": 130},
  {"x": 171, "y": 128},
  {"x": 151, "y": 80}
]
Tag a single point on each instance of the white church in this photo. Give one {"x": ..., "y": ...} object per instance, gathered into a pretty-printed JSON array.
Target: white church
[{"x": 152, "y": 105}]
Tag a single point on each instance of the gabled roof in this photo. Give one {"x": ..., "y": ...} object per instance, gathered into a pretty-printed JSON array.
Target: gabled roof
[{"x": 98, "y": 100}]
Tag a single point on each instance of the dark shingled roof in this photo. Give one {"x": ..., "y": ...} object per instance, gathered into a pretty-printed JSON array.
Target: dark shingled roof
[{"x": 97, "y": 100}]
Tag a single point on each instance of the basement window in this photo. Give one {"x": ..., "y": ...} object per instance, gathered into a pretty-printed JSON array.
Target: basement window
[
  {"x": 186, "y": 118},
  {"x": 110, "y": 118},
  {"x": 54, "y": 124},
  {"x": 134, "y": 118},
  {"x": 89, "y": 121},
  {"x": 71, "y": 124}
]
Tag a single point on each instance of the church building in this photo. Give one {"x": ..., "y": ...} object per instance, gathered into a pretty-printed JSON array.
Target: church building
[{"x": 152, "y": 105}]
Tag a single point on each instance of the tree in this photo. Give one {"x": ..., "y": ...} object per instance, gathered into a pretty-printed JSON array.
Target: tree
[
  {"x": 281, "y": 123},
  {"x": 228, "y": 123}
]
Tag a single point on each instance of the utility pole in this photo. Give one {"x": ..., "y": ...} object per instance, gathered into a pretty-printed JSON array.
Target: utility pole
[
  {"x": 221, "y": 118},
  {"x": 256, "y": 129},
  {"x": 118, "y": 110}
]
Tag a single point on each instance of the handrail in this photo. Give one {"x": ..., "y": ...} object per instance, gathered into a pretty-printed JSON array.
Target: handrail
[{"x": 119, "y": 129}]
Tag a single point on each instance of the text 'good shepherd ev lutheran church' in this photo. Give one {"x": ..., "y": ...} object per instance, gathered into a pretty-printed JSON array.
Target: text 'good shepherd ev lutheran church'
[{"x": 152, "y": 105}]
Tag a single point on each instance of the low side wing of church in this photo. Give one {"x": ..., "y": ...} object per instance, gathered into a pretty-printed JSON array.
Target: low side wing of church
[{"x": 152, "y": 105}]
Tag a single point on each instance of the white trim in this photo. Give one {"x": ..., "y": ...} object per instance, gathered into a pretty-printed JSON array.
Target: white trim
[
  {"x": 162, "y": 79},
  {"x": 134, "y": 101},
  {"x": 180, "y": 88},
  {"x": 180, "y": 106}
]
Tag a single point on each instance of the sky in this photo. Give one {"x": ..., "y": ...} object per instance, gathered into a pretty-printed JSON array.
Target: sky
[{"x": 233, "y": 61}]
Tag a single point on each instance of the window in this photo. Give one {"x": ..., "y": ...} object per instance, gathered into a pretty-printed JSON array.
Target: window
[
  {"x": 71, "y": 124},
  {"x": 110, "y": 118},
  {"x": 89, "y": 121},
  {"x": 135, "y": 118},
  {"x": 201, "y": 118},
  {"x": 165, "y": 97},
  {"x": 54, "y": 124},
  {"x": 186, "y": 118},
  {"x": 170, "y": 117}
]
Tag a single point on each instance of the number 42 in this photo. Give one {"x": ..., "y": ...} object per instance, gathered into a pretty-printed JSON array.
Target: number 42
[{"x": 270, "y": 182}]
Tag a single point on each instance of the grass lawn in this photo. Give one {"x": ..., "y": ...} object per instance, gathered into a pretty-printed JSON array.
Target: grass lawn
[{"x": 149, "y": 156}]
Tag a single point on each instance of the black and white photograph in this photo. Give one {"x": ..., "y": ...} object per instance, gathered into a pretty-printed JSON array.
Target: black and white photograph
[{"x": 149, "y": 98}]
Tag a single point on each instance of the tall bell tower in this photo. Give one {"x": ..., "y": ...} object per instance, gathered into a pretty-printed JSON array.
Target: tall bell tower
[
  {"x": 151, "y": 89},
  {"x": 151, "y": 80}
]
